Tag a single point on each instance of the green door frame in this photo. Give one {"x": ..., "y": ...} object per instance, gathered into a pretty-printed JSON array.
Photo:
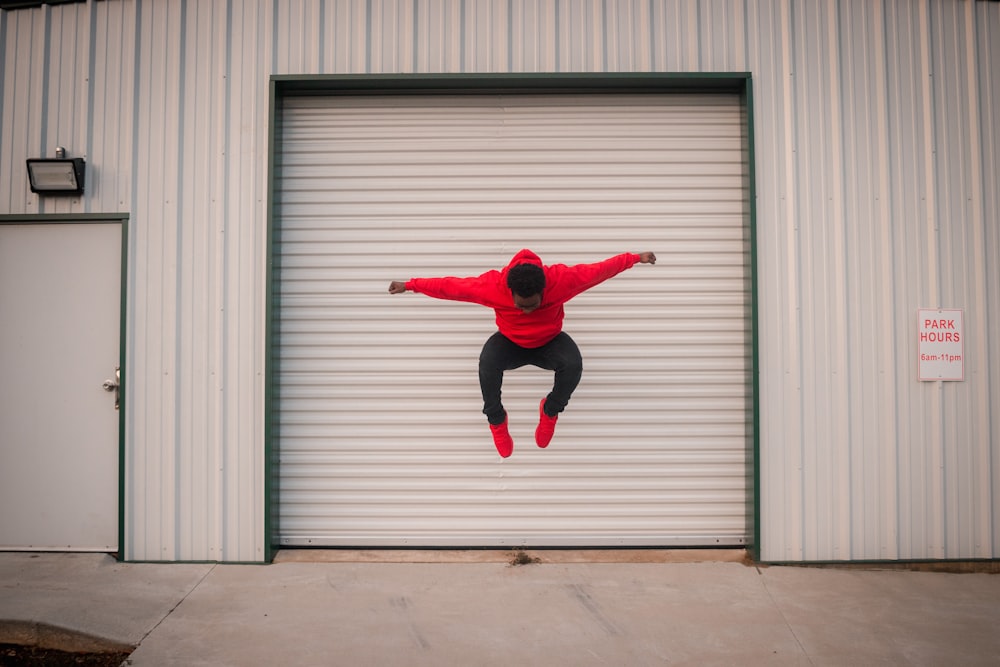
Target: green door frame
[
  {"x": 89, "y": 219},
  {"x": 485, "y": 84}
]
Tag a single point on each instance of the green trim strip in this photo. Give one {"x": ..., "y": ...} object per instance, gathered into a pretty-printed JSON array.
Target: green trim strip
[
  {"x": 99, "y": 218},
  {"x": 270, "y": 336},
  {"x": 122, "y": 393},
  {"x": 478, "y": 84},
  {"x": 754, "y": 547},
  {"x": 50, "y": 218}
]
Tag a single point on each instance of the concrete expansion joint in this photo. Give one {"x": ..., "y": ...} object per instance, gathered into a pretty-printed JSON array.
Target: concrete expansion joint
[{"x": 180, "y": 602}]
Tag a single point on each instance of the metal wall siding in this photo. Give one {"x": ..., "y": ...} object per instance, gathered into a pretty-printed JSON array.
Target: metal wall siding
[
  {"x": 876, "y": 162},
  {"x": 988, "y": 118}
]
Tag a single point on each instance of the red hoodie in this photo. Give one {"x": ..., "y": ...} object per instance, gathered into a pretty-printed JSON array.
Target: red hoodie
[{"x": 538, "y": 327}]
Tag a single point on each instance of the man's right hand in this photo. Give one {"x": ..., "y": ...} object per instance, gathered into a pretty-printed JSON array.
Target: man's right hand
[{"x": 397, "y": 287}]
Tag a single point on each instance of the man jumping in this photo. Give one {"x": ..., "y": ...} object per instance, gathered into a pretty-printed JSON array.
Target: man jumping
[{"x": 528, "y": 299}]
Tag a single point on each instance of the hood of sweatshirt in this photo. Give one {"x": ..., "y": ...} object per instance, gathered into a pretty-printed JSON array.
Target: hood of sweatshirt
[{"x": 523, "y": 257}]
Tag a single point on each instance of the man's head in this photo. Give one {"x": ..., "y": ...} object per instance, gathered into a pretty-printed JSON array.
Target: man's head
[{"x": 526, "y": 282}]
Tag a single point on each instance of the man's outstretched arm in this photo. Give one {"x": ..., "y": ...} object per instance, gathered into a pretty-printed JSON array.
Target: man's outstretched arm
[
  {"x": 581, "y": 277},
  {"x": 476, "y": 289},
  {"x": 472, "y": 289}
]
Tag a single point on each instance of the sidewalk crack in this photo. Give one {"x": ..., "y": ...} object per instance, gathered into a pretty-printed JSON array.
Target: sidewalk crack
[
  {"x": 179, "y": 603},
  {"x": 784, "y": 618}
]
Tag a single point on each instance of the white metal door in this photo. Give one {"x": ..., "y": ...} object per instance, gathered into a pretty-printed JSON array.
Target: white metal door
[
  {"x": 381, "y": 438},
  {"x": 59, "y": 332}
]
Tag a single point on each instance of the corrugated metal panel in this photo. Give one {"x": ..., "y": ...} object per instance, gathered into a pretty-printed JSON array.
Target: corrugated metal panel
[
  {"x": 61, "y": 87},
  {"x": 167, "y": 102},
  {"x": 382, "y": 437},
  {"x": 872, "y": 176},
  {"x": 981, "y": 411},
  {"x": 875, "y": 128},
  {"x": 194, "y": 429}
]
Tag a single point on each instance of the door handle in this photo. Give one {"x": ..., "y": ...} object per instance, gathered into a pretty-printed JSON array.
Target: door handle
[{"x": 114, "y": 385}]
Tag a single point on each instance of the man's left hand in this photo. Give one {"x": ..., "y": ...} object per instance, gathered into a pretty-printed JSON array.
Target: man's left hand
[{"x": 647, "y": 258}]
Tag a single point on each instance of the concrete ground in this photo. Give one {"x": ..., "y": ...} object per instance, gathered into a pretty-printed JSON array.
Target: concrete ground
[{"x": 475, "y": 608}]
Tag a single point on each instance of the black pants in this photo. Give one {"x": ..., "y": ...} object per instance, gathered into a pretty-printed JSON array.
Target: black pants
[{"x": 500, "y": 354}]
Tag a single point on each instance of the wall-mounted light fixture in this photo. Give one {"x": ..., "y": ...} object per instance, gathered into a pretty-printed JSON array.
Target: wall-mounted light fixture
[{"x": 57, "y": 176}]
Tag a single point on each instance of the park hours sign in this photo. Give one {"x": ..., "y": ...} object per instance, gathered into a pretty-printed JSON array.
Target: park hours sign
[{"x": 940, "y": 344}]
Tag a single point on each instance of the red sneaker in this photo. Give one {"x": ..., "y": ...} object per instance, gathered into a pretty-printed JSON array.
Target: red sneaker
[
  {"x": 546, "y": 426},
  {"x": 501, "y": 438}
]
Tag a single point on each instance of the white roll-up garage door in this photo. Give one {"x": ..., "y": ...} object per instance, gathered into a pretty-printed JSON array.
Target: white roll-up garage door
[{"x": 380, "y": 436}]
